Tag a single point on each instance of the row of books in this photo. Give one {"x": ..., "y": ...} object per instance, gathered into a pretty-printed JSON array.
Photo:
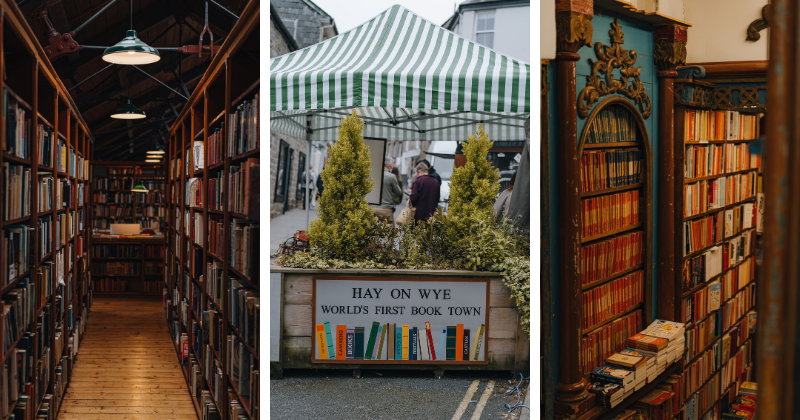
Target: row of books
[
  {"x": 16, "y": 259},
  {"x": 613, "y": 124},
  {"x": 609, "y": 212},
  {"x": 107, "y": 198},
  {"x": 45, "y": 136},
  {"x": 724, "y": 361},
  {"x": 196, "y": 233},
  {"x": 243, "y": 127},
  {"x": 603, "y": 169},
  {"x": 241, "y": 186},
  {"x": 708, "y": 195},
  {"x": 194, "y": 192},
  {"x": 152, "y": 268},
  {"x": 243, "y": 377},
  {"x": 613, "y": 298},
  {"x": 113, "y": 211},
  {"x": 149, "y": 198},
  {"x": 16, "y": 191},
  {"x": 245, "y": 311},
  {"x": 731, "y": 281},
  {"x": 244, "y": 237},
  {"x": 215, "y": 190},
  {"x": 398, "y": 342},
  {"x": 116, "y": 184},
  {"x": 116, "y": 268},
  {"x": 197, "y": 155},
  {"x": 606, "y": 258},
  {"x": 710, "y": 160},
  {"x": 214, "y": 148},
  {"x": 154, "y": 251},
  {"x": 647, "y": 355},
  {"x": 601, "y": 343},
  {"x": 216, "y": 236},
  {"x": 739, "y": 402},
  {"x": 17, "y": 140},
  {"x": 705, "y": 125},
  {"x": 153, "y": 211}
]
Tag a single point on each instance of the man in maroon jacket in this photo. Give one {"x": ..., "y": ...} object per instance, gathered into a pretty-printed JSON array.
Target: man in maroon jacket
[{"x": 424, "y": 193}]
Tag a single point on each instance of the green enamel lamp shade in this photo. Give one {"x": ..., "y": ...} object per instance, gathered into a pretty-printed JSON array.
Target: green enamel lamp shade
[
  {"x": 128, "y": 111},
  {"x": 139, "y": 188},
  {"x": 131, "y": 50}
]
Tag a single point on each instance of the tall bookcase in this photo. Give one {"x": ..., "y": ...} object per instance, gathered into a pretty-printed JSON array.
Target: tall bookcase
[
  {"x": 44, "y": 184},
  {"x": 113, "y": 201},
  {"x": 715, "y": 209},
  {"x": 615, "y": 190},
  {"x": 212, "y": 278}
]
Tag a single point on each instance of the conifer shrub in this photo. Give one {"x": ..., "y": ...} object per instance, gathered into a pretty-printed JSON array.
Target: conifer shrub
[{"x": 344, "y": 220}]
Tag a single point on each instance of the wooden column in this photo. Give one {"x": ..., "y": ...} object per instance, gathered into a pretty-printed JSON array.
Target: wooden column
[
  {"x": 778, "y": 355},
  {"x": 573, "y": 31},
  {"x": 669, "y": 53}
]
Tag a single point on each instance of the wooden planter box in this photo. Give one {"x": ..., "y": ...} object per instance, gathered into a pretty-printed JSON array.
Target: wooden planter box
[{"x": 291, "y": 325}]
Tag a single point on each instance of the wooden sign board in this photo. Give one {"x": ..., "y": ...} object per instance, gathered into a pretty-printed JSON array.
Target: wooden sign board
[{"x": 398, "y": 320}]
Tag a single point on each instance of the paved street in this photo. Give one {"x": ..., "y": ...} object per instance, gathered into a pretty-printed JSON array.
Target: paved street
[{"x": 392, "y": 395}]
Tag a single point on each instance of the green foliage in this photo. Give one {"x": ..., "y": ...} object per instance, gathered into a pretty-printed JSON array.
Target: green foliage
[
  {"x": 345, "y": 221},
  {"x": 474, "y": 186}
]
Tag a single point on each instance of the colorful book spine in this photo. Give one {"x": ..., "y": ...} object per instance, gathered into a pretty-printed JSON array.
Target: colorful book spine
[
  {"x": 398, "y": 343},
  {"x": 329, "y": 340},
  {"x": 321, "y": 344},
  {"x": 442, "y": 344},
  {"x": 341, "y": 334},
  {"x": 459, "y": 341},
  {"x": 451, "y": 343},
  {"x": 351, "y": 344},
  {"x": 391, "y": 347},
  {"x": 404, "y": 343},
  {"x": 430, "y": 340},
  {"x": 478, "y": 341},
  {"x": 414, "y": 343},
  {"x": 384, "y": 327},
  {"x": 423, "y": 345},
  {"x": 373, "y": 334},
  {"x": 359, "y": 350},
  {"x": 465, "y": 352}
]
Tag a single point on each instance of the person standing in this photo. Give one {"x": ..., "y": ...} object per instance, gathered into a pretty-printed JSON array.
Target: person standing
[
  {"x": 320, "y": 187},
  {"x": 396, "y": 173},
  {"x": 504, "y": 199},
  {"x": 432, "y": 172},
  {"x": 424, "y": 193},
  {"x": 307, "y": 188},
  {"x": 391, "y": 194},
  {"x": 312, "y": 176}
]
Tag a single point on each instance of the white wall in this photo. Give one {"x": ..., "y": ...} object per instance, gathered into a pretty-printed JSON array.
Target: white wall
[
  {"x": 512, "y": 31},
  {"x": 719, "y": 31},
  {"x": 547, "y": 30}
]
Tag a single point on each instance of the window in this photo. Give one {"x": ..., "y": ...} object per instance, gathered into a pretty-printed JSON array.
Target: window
[
  {"x": 484, "y": 30},
  {"x": 301, "y": 177},
  {"x": 281, "y": 181}
]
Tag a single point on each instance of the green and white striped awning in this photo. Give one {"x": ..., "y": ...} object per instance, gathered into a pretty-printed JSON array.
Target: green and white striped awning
[{"x": 410, "y": 79}]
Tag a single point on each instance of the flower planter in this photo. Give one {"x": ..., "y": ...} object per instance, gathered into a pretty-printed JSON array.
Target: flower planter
[{"x": 294, "y": 342}]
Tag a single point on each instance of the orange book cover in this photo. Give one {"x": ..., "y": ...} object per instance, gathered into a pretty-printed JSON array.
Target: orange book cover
[
  {"x": 321, "y": 344},
  {"x": 341, "y": 333}
]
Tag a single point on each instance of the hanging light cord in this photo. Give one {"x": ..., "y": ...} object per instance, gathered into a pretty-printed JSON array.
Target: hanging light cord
[
  {"x": 519, "y": 395},
  {"x": 131, "y": 13}
]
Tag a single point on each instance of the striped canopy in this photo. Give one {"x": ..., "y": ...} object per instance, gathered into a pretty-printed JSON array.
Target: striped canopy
[{"x": 408, "y": 78}]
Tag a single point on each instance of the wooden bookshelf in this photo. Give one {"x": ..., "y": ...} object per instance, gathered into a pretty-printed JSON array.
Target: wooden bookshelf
[
  {"x": 739, "y": 273},
  {"x": 630, "y": 126},
  {"x": 141, "y": 283},
  {"x": 191, "y": 301},
  {"x": 33, "y": 85},
  {"x": 111, "y": 187}
]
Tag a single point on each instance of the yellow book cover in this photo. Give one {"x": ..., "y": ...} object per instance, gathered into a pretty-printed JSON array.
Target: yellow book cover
[
  {"x": 323, "y": 346},
  {"x": 405, "y": 342}
]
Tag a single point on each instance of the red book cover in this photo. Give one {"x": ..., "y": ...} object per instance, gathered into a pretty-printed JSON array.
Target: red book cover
[{"x": 430, "y": 340}]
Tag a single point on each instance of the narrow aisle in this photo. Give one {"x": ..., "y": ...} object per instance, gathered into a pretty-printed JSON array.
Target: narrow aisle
[{"x": 127, "y": 368}]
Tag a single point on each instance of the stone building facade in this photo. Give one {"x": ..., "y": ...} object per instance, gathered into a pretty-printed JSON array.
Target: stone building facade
[{"x": 306, "y": 21}]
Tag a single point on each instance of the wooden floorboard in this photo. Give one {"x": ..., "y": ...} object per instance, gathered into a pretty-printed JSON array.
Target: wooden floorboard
[{"x": 126, "y": 367}]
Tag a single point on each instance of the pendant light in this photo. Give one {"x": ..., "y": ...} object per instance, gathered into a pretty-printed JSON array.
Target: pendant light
[
  {"x": 131, "y": 50},
  {"x": 152, "y": 160},
  {"x": 157, "y": 157},
  {"x": 139, "y": 188},
  {"x": 128, "y": 111},
  {"x": 158, "y": 150}
]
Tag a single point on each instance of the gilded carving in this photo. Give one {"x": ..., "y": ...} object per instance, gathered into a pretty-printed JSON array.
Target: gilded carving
[
  {"x": 573, "y": 31},
  {"x": 758, "y": 25},
  {"x": 669, "y": 54},
  {"x": 611, "y": 58}
]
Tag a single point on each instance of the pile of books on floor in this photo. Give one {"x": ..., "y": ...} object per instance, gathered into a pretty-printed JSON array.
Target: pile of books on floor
[
  {"x": 646, "y": 357},
  {"x": 744, "y": 406}
]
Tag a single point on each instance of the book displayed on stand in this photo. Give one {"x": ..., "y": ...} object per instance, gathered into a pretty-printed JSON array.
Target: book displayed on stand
[
  {"x": 615, "y": 165},
  {"x": 717, "y": 210},
  {"x": 44, "y": 186},
  {"x": 211, "y": 280}
]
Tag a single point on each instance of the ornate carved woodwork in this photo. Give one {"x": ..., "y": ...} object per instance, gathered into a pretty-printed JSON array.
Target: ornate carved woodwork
[
  {"x": 610, "y": 58},
  {"x": 694, "y": 94},
  {"x": 573, "y": 31},
  {"x": 758, "y": 25},
  {"x": 726, "y": 98},
  {"x": 669, "y": 54}
]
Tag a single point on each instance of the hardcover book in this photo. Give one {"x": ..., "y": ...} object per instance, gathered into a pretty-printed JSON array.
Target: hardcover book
[
  {"x": 459, "y": 341},
  {"x": 431, "y": 344},
  {"x": 442, "y": 342},
  {"x": 415, "y": 344},
  {"x": 359, "y": 344},
  {"x": 404, "y": 343},
  {"x": 476, "y": 350},
  {"x": 465, "y": 346},
  {"x": 350, "y": 345},
  {"x": 376, "y": 352},
  {"x": 451, "y": 343},
  {"x": 328, "y": 340},
  {"x": 390, "y": 347},
  {"x": 373, "y": 334},
  {"x": 341, "y": 333},
  {"x": 423, "y": 345},
  {"x": 398, "y": 342},
  {"x": 321, "y": 344}
]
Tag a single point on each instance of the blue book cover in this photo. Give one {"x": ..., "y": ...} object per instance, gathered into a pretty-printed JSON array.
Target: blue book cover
[
  {"x": 329, "y": 340},
  {"x": 691, "y": 408},
  {"x": 441, "y": 354},
  {"x": 412, "y": 342},
  {"x": 398, "y": 343},
  {"x": 610, "y": 374}
]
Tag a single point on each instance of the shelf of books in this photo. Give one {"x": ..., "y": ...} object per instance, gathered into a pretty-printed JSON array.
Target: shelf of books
[
  {"x": 128, "y": 265},
  {"x": 211, "y": 284},
  {"x": 716, "y": 186},
  {"x": 113, "y": 201},
  {"x": 45, "y": 157}
]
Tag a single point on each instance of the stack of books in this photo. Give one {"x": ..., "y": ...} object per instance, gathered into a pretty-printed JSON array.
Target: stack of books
[
  {"x": 744, "y": 406},
  {"x": 633, "y": 363},
  {"x": 674, "y": 332}
]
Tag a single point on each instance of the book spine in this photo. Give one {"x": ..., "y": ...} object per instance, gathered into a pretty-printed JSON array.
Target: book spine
[
  {"x": 404, "y": 343},
  {"x": 359, "y": 343},
  {"x": 350, "y": 346},
  {"x": 465, "y": 352},
  {"x": 442, "y": 344},
  {"x": 459, "y": 341},
  {"x": 380, "y": 353},
  {"x": 391, "y": 347},
  {"x": 451, "y": 343},
  {"x": 373, "y": 334},
  {"x": 478, "y": 342},
  {"x": 430, "y": 340},
  {"x": 398, "y": 343},
  {"x": 321, "y": 343},
  {"x": 413, "y": 344}
]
